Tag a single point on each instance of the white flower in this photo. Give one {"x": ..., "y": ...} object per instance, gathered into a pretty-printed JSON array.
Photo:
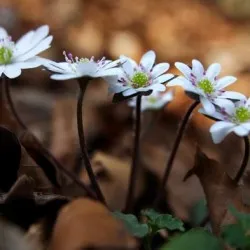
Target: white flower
[
  {"x": 235, "y": 119},
  {"x": 206, "y": 85},
  {"x": 156, "y": 100},
  {"x": 140, "y": 78},
  {"x": 82, "y": 67},
  {"x": 22, "y": 55}
]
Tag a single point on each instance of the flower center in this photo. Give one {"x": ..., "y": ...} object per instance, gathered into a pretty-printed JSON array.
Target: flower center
[
  {"x": 206, "y": 86},
  {"x": 242, "y": 114},
  {"x": 6, "y": 50},
  {"x": 139, "y": 80},
  {"x": 152, "y": 99}
]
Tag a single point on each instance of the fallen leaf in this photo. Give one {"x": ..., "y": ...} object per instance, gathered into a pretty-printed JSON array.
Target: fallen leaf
[
  {"x": 113, "y": 176},
  {"x": 220, "y": 190},
  {"x": 84, "y": 223}
]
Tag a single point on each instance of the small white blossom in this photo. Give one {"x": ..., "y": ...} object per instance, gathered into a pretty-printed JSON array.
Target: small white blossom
[
  {"x": 205, "y": 85},
  {"x": 82, "y": 67},
  {"x": 235, "y": 118},
  {"x": 155, "y": 101},
  {"x": 22, "y": 55},
  {"x": 135, "y": 78}
]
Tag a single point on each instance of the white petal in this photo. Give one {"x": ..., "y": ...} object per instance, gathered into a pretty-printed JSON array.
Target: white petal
[
  {"x": 3, "y": 33},
  {"x": 129, "y": 92},
  {"x": 241, "y": 131},
  {"x": 232, "y": 95},
  {"x": 220, "y": 129},
  {"x": 167, "y": 97},
  {"x": 226, "y": 104},
  {"x": 61, "y": 67},
  {"x": 45, "y": 44},
  {"x": 246, "y": 125},
  {"x": 62, "y": 77},
  {"x": 207, "y": 105},
  {"x": 215, "y": 115},
  {"x": 87, "y": 69},
  {"x": 225, "y": 81},
  {"x": 159, "y": 69},
  {"x": 197, "y": 68},
  {"x": 163, "y": 78},
  {"x": 248, "y": 102},
  {"x": 40, "y": 34},
  {"x": 29, "y": 64},
  {"x": 184, "y": 69},
  {"x": 128, "y": 67},
  {"x": 158, "y": 87},
  {"x": 148, "y": 60},
  {"x": 213, "y": 71},
  {"x": 24, "y": 44},
  {"x": 109, "y": 72},
  {"x": 12, "y": 71},
  {"x": 123, "y": 59},
  {"x": 116, "y": 88},
  {"x": 112, "y": 64},
  {"x": 185, "y": 83}
]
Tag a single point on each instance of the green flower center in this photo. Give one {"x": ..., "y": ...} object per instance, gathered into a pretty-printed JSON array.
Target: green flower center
[
  {"x": 206, "y": 86},
  {"x": 5, "y": 55},
  {"x": 152, "y": 99},
  {"x": 242, "y": 114},
  {"x": 139, "y": 80}
]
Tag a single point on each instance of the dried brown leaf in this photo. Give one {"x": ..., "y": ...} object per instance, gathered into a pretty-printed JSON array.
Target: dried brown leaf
[
  {"x": 85, "y": 223},
  {"x": 220, "y": 190}
]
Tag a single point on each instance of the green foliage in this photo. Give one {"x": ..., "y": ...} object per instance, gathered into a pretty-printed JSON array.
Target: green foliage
[
  {"x": 198, "y": 212},
  {"x": 132, "y": 224},
  {"x": 159, "y": 221},
  {"x": 195, "y": 239},
  {"x": 238, "y": 235}
]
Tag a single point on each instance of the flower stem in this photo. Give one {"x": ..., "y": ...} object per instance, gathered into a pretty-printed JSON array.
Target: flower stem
[
  {"x": 83, "y": 83},
  {"x": 11, "y": 104},
  {"x": 44, "y": 151},
  {"x": 244, "y": 161},
  {"x": 147, "y": 241},
  {"x": 135, "y": 159},
  {"x": 173, "y": 153}
]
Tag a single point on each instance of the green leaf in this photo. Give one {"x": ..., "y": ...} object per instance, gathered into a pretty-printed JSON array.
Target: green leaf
[
  {"x": 132, "y": 224},
  {"x": 243, "y": 219},
  {"x": 159, "y": 221},
  {"x": 151, "y": 214},
  {"x": 199, "y": 212},
  {"x": 235, "y": 236},
  {"x": 167, "y": 221},
  {"x": 195, "y": 239}
]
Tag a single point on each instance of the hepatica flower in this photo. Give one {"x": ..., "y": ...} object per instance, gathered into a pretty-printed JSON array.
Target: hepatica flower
[
  {"x": 135, "y": 78},
  {"x": 155, "y": 101},
  {"x": 75, "y": 67},
  {"x": 205, "y": 85},
  {"x": 235, "y": 119},
  {"x": 23, "y": 54}
]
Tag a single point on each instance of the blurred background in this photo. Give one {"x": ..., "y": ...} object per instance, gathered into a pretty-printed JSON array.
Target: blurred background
[{"x": 180, "y": 30}]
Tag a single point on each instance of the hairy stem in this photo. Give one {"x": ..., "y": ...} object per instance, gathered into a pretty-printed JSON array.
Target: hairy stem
[
  {"x": 83, "y": 83},
  {"x": 135, "y": 160},
  {"x": 244, "y": 161},
  {"x": 173, "y": 153}
]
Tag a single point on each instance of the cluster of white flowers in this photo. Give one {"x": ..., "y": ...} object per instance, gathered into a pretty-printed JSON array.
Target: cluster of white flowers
[{"x": 127, "y": 77}]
